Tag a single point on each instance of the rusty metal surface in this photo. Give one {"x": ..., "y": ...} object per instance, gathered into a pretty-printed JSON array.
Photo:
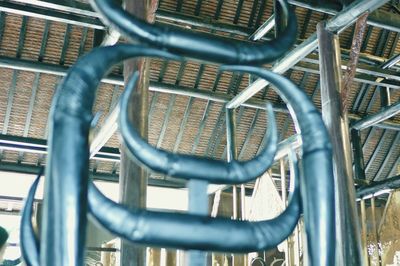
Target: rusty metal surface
[{"x": 350, "y": 72}]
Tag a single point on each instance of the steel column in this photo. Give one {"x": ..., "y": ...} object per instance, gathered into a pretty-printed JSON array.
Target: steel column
[{"x": 347, "y": 230}]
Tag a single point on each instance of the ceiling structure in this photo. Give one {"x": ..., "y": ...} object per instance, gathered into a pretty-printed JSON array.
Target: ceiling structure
[{"x": 40, "y": 39}]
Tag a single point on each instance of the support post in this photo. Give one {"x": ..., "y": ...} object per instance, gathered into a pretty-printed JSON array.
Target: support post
[
  {"x": 364, "y": 231},
  {"x": 232, "y": 153},
  {"x": 133, "y": 178},
  {"x": 348, "y": 249}
]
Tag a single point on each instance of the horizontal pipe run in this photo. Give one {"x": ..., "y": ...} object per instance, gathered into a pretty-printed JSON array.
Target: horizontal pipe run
[
  {"x": 378, "y": 187},
  {"x": 200, "y": 46}
]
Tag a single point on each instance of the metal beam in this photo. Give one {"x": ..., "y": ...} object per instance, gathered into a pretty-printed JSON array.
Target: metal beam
[
  {"x": 108, "y": 177},
  {"x": 379, "y": 18},
  {"x": 378, "y": 187},
  {"x": 388, "y": 156},
  {"x": 53, "y": 15},
  {"x": 107, "y": 129},
  {"x": 358, "y": 156},
  {"x": 374, "y": 119},
  {"x": 39, "y": 146},
  {"x": 338, "y": 23},
  {"x": 373, "y": 77},
  {"x": 75, "y": 7},
  {"x": 39, "y": 67},
  {"x": 391, "y": 62},
  {"x": 266, "y": 27},
  {"x": 309, "y": 64},
  {"x": 52, "y": 69},
  {"x": 376, "y": 71},
  {"x": 252, "y": 103}
]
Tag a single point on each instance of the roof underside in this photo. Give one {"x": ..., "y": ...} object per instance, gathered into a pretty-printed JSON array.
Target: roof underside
[{"x": 180, "y": 123}]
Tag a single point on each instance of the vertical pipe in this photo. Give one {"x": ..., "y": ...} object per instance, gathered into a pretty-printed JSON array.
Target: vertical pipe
[
  {"x": 198, "y": 204},
  {"x": 133, "y": 178},
  {"x": 348, "y": 248}
]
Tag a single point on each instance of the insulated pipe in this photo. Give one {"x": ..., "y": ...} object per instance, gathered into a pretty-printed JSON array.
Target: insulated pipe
[
  {"x": 191, "y": 166},
  {"x": 184, "y": 231},
  {"x": 317, "y": 179},
  {"x": 65, "y": 204},
  {"x": 200, "y": 46},
  {"x": 189, "y": 231},
  {"x": 29, "y": 243}
]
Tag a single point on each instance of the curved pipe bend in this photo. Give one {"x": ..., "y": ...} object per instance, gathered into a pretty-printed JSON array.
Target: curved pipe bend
[
  {"x": 188, "y": 231},
  {"x": 200, "y": 46},
  {"x": 191, "y": 166},
  {"x": 183, "y": 231},
  {"x": 67, "y": 170},
  {"x": 317, "y": 183},
  {"x": 28, "y": 240}
]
